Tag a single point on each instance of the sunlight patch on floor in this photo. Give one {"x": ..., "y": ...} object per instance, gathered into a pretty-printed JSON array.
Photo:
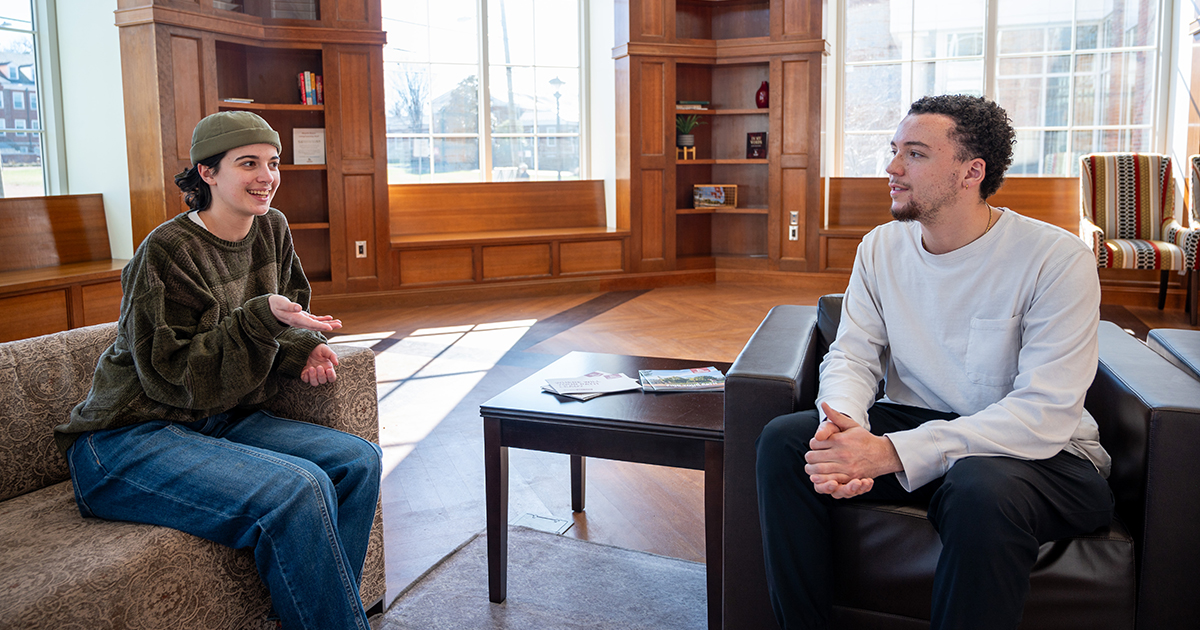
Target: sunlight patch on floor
[{"x": 422, "y": 377}]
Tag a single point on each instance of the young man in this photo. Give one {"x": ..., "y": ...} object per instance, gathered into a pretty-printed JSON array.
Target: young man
[{"x": 982, "y": 325}]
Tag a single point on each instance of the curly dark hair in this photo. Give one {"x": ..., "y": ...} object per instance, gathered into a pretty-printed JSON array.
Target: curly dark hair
[
  {"x": 196, "y": 192},
  {"x": 982, "y": 129}
]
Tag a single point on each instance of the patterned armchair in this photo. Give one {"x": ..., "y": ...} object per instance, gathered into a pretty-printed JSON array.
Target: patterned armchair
[{"x": 1129, "y": 205}]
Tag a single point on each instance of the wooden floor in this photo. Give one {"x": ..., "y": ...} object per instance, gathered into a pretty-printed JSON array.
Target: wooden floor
[{"x": 437, "y": 364}]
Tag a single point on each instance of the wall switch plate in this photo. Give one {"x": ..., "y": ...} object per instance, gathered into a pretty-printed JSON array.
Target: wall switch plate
[
  {"x": 795, "y": 218},
  {"x": 360, "y": 249},
  {"x": 793, "y": 232}
]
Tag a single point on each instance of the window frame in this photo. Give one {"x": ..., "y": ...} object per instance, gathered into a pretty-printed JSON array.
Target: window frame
[
  {"x": 832, "y": 164},
  {"x": 485, "y": 135}
]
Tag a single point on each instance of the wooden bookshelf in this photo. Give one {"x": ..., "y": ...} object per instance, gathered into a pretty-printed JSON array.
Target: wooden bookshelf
[
  {"x": 182, "y": 60},
  {"x": 719, "y": 53}
]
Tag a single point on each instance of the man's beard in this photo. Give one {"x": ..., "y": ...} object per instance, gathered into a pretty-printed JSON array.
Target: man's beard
[{"x": 911, "y": 211}]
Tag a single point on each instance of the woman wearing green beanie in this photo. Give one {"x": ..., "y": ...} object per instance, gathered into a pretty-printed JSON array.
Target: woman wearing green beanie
[{"x": 214, "y": 314}]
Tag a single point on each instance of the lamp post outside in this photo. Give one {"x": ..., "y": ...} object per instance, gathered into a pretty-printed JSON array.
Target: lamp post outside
[{"x": 557, "y": 83}]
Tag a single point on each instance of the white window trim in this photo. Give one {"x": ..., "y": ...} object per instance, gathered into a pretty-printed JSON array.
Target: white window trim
[
  {"x": 49, "y": 87},
  {"x": 1165, "y": 58}
]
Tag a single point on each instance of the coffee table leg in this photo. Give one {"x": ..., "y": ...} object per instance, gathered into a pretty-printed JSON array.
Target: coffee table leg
[
  {"x": 495, "y": 464},
  {"x": 714, "y": 510},
  {"x": 578, "y": 482}
]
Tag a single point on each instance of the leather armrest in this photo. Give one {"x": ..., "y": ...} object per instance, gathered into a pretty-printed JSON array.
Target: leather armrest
[
  {"x": 1149, "y": 416},
  {"x": 775, "y": 374}
]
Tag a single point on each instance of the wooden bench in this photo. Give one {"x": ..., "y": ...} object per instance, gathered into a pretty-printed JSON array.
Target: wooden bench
[
  {"x": 502, "y": 231},
  {"x": 56, "y": 269}
]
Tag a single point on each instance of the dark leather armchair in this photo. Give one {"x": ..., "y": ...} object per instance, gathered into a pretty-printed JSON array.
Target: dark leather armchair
[{"x": 1141, "y": 571}]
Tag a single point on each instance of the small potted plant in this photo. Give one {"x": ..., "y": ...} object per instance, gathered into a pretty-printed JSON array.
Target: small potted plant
[{"x": 684, "y": 124}]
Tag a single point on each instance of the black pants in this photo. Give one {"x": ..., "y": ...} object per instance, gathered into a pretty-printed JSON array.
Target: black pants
[{"x": 992, "y": 514}]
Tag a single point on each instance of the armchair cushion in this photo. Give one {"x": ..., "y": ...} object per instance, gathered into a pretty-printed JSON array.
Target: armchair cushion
[{"x": 1181, "y": 347}]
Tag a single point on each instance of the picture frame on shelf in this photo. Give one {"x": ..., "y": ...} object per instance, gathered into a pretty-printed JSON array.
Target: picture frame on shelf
[{"x": 715, "y": 196}]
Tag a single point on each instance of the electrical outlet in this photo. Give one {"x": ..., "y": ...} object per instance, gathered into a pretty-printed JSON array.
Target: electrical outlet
[
  {"x": 360, "y": 249},
  {"x": 795, "y": 218},
  {"x": 793, "y": 232}
]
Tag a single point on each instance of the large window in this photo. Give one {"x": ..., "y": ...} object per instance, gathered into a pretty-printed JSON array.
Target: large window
[
  {"x": 1076, "y": 76},
  {"x": 473, "y": 103},
  {"x": 21, "y": 137}
]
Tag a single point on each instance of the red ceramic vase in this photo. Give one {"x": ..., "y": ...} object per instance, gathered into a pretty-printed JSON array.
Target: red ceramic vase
[{"x": 763, "y": 97}]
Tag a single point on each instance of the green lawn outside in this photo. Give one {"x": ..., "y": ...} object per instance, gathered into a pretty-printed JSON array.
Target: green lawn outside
[{"x": 22, "y": 181}]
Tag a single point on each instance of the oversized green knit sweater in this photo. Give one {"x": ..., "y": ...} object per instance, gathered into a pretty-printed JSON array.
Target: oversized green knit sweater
[{"x": 196, "y": 335}]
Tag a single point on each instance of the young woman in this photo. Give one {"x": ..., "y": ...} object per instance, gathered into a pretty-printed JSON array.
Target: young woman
[{"x": 214, "y": 313}]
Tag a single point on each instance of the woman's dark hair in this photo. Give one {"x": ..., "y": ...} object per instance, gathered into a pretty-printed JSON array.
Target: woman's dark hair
[
  {"x": 982, "y": 130},
  {"x": 195, "y": 190}
]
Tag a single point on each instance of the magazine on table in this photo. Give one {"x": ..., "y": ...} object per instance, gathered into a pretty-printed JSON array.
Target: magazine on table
[
  {"x": 705, "y": 379},
  {"x": 590, "y": 385}
]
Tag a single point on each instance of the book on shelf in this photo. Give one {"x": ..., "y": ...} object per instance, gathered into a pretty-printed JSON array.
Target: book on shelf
[
  {"x": 312, "y": 91},
  {"x": 308, "y": 146},
  {"x": 756, "y": 145},
  {"x": 242, "y": 101},
  {"x": 692, "y": 102},
  {"x": 705, "y": 379},
  {"x": 690, "y": 107},
  {"x": 590, "y": 385}
]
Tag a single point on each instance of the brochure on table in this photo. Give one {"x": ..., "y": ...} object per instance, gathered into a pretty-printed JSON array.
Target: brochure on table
[
  {"x": 705, "y": 379},
  {"x": 590, "y": 385}
]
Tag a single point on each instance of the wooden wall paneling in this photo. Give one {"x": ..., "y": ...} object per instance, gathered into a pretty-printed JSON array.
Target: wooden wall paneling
[
  {"x": 48, "y": 231},
  {"x": 188, "y": 91},
  {"x": 360, "y": 226},
  {"x": 837, "y": 252},
  {"x": 653, "y": 224},
  {"x": 139, "y": 75},
  {"x": 516, "y": 261},
  {"x": 354, "y": 13},
  {"x": 480, "y": 207},
  {"x": 739, "y": 234},
  {"x": 858, "y": 202},
  {"x": 591, "y": 257},
  {"x": 1054, "y": 200},
  {"x": 650, "y": 21},
  {"x": 101, "y": 303},
  {"x": 436, "y": 266},
  {"x": 797, "y": 106},
  {"x": 798, "y": 19},
  {"x": 652, "y": 167},
  {"x": 51, "y": 307},
  {"x": 794, "y": 186},
  {"x": 354, "y": 103}
]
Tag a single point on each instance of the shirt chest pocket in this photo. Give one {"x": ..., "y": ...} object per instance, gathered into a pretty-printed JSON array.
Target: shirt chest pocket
[{"x": 993, "y": 348}]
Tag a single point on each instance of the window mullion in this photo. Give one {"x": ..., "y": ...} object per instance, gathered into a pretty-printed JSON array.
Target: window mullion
[{"x": 485, "y": 99}]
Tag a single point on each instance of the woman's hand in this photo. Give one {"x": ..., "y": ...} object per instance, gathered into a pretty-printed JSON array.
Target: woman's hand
[
  {"x": 319, "y": 369},
  {"x": 294, "y": 315}
]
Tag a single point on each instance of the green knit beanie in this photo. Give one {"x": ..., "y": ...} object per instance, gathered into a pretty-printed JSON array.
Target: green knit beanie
[{"x": 223, "y": 131}]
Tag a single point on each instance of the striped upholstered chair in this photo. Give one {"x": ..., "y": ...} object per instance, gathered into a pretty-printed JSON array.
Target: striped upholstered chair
[{"x": 1129, "y": 204}]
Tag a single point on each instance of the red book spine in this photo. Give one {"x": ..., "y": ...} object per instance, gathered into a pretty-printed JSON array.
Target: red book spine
[{"x": 303, "y": 92}]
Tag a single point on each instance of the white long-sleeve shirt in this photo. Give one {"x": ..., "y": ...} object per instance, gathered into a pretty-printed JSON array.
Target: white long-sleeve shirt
[{"x": 1001, "y": 332}]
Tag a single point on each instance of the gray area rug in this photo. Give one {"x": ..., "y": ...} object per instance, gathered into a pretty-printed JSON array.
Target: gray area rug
[{"x": 554, "y": 583}]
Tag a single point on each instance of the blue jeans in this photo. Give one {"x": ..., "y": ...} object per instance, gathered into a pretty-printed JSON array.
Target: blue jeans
[{"x": 301, "y": 495}]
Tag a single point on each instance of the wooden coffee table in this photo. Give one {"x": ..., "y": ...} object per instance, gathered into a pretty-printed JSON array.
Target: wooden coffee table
[{"x": 680, "y": 429}]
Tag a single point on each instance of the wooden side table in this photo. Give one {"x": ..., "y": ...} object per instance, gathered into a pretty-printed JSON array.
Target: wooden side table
[{"x": 680, "y": 429}]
